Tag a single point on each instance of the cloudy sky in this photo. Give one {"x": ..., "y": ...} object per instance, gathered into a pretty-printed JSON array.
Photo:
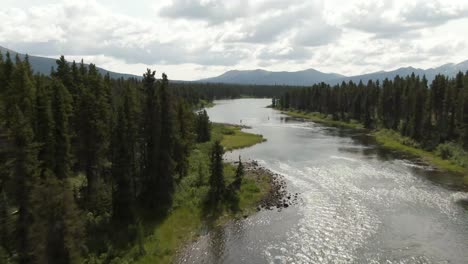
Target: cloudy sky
[{"x": 192, "y": 39}]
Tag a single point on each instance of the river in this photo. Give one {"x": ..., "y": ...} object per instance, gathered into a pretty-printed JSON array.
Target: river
[{"x": 359, "y": 203}]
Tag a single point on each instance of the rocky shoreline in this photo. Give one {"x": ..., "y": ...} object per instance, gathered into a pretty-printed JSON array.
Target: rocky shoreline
[{"x": 278, "y": 197}]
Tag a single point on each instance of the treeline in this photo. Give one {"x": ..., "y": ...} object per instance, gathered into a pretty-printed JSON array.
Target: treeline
[
  {"x": 83, "y": 157},
  {"x": 193, "y": 91},
  {"x": 430, "y": 114}
]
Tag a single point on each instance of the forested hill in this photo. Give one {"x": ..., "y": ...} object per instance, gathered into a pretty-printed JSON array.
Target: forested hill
[
  {"x": 43, "y": 65},
  {"x": 311, "y": 76}
]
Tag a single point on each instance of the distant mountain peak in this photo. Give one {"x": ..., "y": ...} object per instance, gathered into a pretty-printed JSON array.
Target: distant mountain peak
[
  {"x": 44, "y": 65},
  {"x": 305, "y": 77},
  {"x": 264, "y": 77},
  {"x": 311, "y": 76}
]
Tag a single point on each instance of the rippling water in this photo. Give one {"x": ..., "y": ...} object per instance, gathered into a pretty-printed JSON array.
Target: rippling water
[{"x": 358, "y": 203}]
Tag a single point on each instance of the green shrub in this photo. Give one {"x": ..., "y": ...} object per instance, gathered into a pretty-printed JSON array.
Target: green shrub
[
  {"x": 228, "y": 131},
  {"x": 444, "y": 151},
  {"x": 453, "y": 152},
  {"x": 395, "y": 135}
]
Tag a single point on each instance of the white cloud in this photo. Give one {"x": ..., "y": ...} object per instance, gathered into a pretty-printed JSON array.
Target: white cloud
[
  {"x": 215, "y": 11},
  {"x": 191, "y": 39},
  {"x": 394, "y": 19}
]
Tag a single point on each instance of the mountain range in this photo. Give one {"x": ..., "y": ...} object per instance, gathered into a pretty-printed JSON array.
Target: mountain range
[
  {"x": 311, "y": 76},
  {"x": 262, "y": 77},
  {"x": 44, "y": 65}
]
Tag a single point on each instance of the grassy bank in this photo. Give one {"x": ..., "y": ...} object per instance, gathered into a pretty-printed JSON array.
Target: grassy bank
[
  {"x": 393, "y": 140},
  {"x": 234, "y": 138},
  {"x": 204, "y": 104},
  {"x": 323, "y": 118},
  {"x": 163, "y": 239}
]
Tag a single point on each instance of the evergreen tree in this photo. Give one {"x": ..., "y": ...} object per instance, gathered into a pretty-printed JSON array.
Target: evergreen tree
[
  {"x": 18, "y": 99},
  {"x": 62, "y": 109},
  {"x": 419, "y": 97},
  {"x": 6, "y": 70},
  {"x": 438, "y": 93},
  {"x": 63, "y": 72},
  {"x": 24, "y": 172},
  {"x": 167, "y": 164},
  {"x": 184, "y": 138},
  {"x": 217, "y": 187},
  {"x": 44, "y": 126},
  {"x": 239, "y": 174},
  {"x": 131, "y": 111},
  {"x": 464, "y": 119},
  {"x": 20, "y": 93},
  {"x": 122, "y": 170},
  {"x": 57, "y": 230},
  {"x": 151, "y": 132},
  {"x": 96, "y": 135},
  {"x": 5, "y": 226},
  {"x": 203, "y": 127}
]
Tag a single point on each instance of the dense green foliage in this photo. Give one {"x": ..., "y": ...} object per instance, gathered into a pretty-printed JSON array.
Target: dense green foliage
[
  {"x": 85, "y": 159},
  {"x": 193, "y": 91},
  {"x": 433, "y": 117}
]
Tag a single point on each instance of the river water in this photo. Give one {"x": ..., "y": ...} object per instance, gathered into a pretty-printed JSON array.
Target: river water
[{"x": 359, "y": 203}]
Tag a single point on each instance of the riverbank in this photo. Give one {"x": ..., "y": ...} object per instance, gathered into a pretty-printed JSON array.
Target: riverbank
[
  {"x": 204, "y": 104},
  {"x": 393, "y": 140},
  {"x": 277, "y": 197},
  {"x": 389, "y": 139},
  {"x": 187, "y": 218},
  {"x": 322, "y": 118}
]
